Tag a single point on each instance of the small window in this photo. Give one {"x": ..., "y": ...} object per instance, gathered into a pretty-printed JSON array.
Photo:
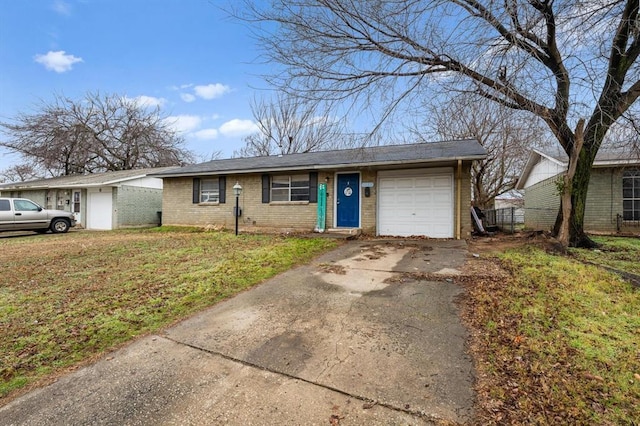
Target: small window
[
  {"x": 76, "y": 202},
  {"x": 25, "y": 206},
  {"x": 209, "y": 191},
  {"x": 290, "y": 188},
  {"x": 631, "y": 195},
  {"x": 5, "y": 206}
]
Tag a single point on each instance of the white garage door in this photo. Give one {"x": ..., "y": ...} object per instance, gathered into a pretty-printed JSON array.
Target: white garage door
[
  {"x": 99, "y": 210},
  {"x": 416, "y": 202}
]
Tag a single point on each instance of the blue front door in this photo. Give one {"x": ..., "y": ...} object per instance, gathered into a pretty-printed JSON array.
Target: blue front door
[{"x": 348, "y": 199}]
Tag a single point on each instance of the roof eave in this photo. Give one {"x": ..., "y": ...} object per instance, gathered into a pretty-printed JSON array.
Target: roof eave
[
  {"x": 614, "y": 163},
  {"x": 319, "y": 167}
]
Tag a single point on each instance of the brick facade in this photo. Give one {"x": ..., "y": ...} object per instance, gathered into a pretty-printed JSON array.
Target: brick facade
[
  {"x": 137, "y": 206},
  {"x": 604, "y": 202},
  {"x": 179, "y": 209}
]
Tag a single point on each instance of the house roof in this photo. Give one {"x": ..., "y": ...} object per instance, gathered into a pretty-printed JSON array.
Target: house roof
[
  {"x": 84, "y": 181},
  {"x": 604, "y": 158},
  {"x": 369, "y": 156}
]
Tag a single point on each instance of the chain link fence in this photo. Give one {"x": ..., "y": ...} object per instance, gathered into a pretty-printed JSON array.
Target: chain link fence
[{"x": 506, "y": 219}]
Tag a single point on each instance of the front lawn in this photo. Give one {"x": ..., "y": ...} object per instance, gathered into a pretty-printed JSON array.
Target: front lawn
[
  {"x": 65, "y": 298},
  {"x": 622, "y": 254},
  {"x": 556, "y": 341}
]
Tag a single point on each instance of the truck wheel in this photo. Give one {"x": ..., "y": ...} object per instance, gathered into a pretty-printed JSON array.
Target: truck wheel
[{"x": 59, "y": 226}]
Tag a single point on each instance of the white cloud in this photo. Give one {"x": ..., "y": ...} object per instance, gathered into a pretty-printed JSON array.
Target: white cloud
[
  {"x": 187, "y": 97},
  {"x": 61, "y": 7},
  {"x": 181, "y": 87},
  {"x": 57, "y": 61},
  {"x": 206, "y": 134},
  {"x": 237, "y": 127},
  {"x": 184, "y": 123},
  {"x": 211, "y": 91},
  {"x": 148, "y": 101}
]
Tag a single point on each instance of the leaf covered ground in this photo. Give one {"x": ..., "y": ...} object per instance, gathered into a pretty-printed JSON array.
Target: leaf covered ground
[
  {"x": 555, "y": 340},
  {"x": 66, "y": 298}
]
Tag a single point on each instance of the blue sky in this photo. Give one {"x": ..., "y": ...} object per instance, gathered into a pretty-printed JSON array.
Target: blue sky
[{"x": 188, "y": 56}]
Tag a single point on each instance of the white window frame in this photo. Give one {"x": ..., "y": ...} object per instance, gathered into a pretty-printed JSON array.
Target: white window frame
[
  {"x": 212, "y": 194},
  {"x": 287, "y": 190}
]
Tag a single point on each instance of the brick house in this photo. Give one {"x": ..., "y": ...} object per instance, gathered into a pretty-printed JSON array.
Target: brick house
[
  {"x": 101, "y": 201},
  {"x": 416, "y": 189},
  {"x": 613, "y": 197}
]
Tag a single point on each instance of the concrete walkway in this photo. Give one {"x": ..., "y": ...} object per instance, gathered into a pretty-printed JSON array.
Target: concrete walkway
[{"x": 354, "y": 338}]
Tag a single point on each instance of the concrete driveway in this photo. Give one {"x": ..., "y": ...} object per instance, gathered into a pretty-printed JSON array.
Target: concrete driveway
[{"x": 355, "y": 337}]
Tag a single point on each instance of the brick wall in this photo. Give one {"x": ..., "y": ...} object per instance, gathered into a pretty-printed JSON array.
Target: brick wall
[
  {"x": 465, "y": 201},
  {"x": 137, "y": 206},
  {"x": 178, "y": 208},
  {"x": 604, "y": 201},
  {"x": 541, "y": 204}
]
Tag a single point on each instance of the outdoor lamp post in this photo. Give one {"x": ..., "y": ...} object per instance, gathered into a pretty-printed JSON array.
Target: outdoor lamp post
[{"x": 237, "y": 190}]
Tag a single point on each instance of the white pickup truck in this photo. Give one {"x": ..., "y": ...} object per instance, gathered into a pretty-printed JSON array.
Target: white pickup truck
[{"x": 20, "y": 214}]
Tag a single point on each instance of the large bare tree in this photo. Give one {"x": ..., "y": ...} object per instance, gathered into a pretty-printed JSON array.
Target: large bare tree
[
  {"x": 507, "y": 136},
  {"x": 288, "y": 124},
  {"x": 94, "y": 134},
  {"x": 571, "y": 63}
]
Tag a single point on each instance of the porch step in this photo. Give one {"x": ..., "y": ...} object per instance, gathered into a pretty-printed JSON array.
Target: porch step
[{"x": 351, "y": 232}]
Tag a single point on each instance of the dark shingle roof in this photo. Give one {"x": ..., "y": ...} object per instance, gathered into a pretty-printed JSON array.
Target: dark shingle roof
[{"x": 379, "y": 155}]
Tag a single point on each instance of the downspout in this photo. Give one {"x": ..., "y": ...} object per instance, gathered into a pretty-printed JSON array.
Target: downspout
[{"x": 458, "y": 198}]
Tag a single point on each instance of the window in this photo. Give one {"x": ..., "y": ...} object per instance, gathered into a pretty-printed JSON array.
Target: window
[
  {"x": 76, "y": 202},
  {"x": 631, "y": 195},
  {"x": 25, "y": 206},
  {"x": 209, "y": 191},
  {"x": 5, "y": 206},
  {"x": 290, "y": 188}
]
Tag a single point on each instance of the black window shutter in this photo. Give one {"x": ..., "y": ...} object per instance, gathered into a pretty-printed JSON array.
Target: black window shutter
[
  {"x": 313, "y": 187},
  {"x": 196, "y": 190},
  {"x": 266, "y": 190},
  {"x": 222, "y": 189}
]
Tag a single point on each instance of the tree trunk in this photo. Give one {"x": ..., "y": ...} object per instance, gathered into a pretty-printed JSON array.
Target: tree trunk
[
  {"x": 577, "y": 236},
  {"x": 569, "y": 226},
  {"x": 568, "y": 189}
]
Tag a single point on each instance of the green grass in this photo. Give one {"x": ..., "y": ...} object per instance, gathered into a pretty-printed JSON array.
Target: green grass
[
  {"x": 66, "y": 298},
  {"x": 615, "y": 252},
  {"x": 561, "y": 341}
]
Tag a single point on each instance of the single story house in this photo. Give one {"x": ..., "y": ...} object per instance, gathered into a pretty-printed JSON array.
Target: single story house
[
  {"x": 613, "y": 197},
  {"x": 102, "y": 201},
  {"x": 396, "y": 190}
]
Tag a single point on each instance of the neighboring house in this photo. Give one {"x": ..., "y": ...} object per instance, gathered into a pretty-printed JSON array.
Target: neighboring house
[
  {"x": 104, "y": 201},
  {"x": 613, "y": 197},
  {"x": 401, "y": 190},
  {"x": 511, "y": 200}
]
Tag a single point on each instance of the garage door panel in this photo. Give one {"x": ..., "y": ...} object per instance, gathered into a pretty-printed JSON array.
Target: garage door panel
[
  {"x": 416, "y": 205},
  {"x": 99, "y": 211}
]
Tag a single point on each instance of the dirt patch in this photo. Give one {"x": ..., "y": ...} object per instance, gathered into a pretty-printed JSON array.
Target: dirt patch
[{"x": 332, "y": 269}]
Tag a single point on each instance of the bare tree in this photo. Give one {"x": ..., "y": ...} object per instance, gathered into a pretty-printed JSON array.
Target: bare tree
[
  {"x": 18, "y": 173},
  {"x": 563, "y": 61},
  {"x": 290, "y": 125},
  {"x": 506, "y": 135},
  {"x": 94, "y": 134}
]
